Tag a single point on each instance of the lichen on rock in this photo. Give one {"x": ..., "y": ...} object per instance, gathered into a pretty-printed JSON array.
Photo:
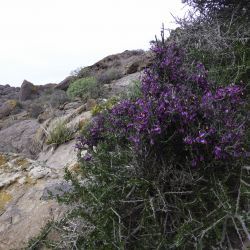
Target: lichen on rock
[{"x": 5, "y": 198}]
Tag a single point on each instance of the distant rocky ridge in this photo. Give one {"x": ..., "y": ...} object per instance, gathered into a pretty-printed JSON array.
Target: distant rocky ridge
[
  {"x": 127, "y": 62},
  {"x": 31, "y": 100}
]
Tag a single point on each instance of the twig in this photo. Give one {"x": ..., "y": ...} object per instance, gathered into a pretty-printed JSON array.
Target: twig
[
  {"x": 237, "y": 230},
  {"x": 239, "y": 194}
]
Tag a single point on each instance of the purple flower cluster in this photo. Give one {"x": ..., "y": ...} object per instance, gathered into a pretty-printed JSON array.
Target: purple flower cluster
[{"x": 176, "y": 103}]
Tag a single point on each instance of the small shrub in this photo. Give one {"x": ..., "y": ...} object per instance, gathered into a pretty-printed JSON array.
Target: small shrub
[
  {"x": 109, "y": 75},
  {"x": 104, "y": 106},
  {"x": 16, "y": 106},
  {"x": 58, "y": 98},
  {"x": 35, "y": 110},
  {"x": 83, "y": 124},
  {"x": 59, "y": 133},
  {"x": 83, "y": 73},
  {"x": 12, "y": 103},
  {"x": 84, "y": 88}
]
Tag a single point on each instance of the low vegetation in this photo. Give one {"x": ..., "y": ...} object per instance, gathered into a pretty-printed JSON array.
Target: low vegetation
[
  {"x": 59, "y": 133},
  {"x": 41, "y": 240},
  {"x": 109, "y": 75},
  {"x": 57, "y": 98},
  {"x": 104, "y": 106},
  {"x": 84, "y": 88},
  {"x": 35, "y": 110}
]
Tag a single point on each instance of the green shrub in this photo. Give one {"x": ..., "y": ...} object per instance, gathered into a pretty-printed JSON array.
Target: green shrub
[
  {"x": 84, "y": 88},
  {"x": 106, "y": 105},
  {"x": 15, "y": 105},
  {"x": 59, "y": 133}
]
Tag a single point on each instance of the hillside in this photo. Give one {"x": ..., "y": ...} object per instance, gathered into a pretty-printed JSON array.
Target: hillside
[
  {"x": 141, "y": 150},
  {"x": 30, "y": 168}
]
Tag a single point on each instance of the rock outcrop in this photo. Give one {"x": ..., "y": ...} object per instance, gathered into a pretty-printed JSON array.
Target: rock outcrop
[
  {"x": 18, "y": 138},
  {"x": 23, "y": 210},
  {"x": 26, "y": 190},
  {"x": 120, "y": 85},
  {"x": 27, "y": 91},
  {"x": 64, "y": 84},
  {"x": 30, "y": 91},
  {"x": 127, "y": 62},
  {"x": 121, "y": 64}
]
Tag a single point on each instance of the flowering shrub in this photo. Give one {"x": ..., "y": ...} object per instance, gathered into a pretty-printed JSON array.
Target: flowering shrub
[
  {"x": 165, "y": 170},
  {"x": 203, "y": 120}
]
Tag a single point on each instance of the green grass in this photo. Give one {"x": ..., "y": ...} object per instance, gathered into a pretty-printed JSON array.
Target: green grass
[{"x": 59, "y": 134}]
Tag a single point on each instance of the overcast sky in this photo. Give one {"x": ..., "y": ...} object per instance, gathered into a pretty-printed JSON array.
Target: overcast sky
[{"x": 44, "y": 40}]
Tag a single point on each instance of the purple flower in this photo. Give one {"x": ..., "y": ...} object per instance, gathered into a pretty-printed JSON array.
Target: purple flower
[
  {"x": 194, "y": 163},
  {"x": 201, "y": 140},
  {"x": 156, "y": 129},
  {"x": 218, "y": 152},
  {"x": 188, "y": 140},
  {"x": 87, "y": 157}
]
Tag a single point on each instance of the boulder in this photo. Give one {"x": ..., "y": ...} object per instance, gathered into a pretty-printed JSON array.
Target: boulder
[
  {"x": 14, "y": 117},
  {"x": 132, "y": 67},
  {"x": 72, "y": 105},
  {"x": 119, "y": 86},
  {"x": 27, "y": 91},
  {"x": 58, "y": 159},
  {"x": 139, "y": 63},
  {"x": 47, "y": 88},
  {"x": 127, "y": 62},
  {"x": 25, "y": 207},
  {"x": 18, "y": 138}
]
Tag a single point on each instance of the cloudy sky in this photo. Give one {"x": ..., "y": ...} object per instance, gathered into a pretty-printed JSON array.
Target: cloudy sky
[{"x": 44, "y": 40}]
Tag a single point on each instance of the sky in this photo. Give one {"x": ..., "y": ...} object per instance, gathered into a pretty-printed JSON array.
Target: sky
[{"x": 42, "y": 41}]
